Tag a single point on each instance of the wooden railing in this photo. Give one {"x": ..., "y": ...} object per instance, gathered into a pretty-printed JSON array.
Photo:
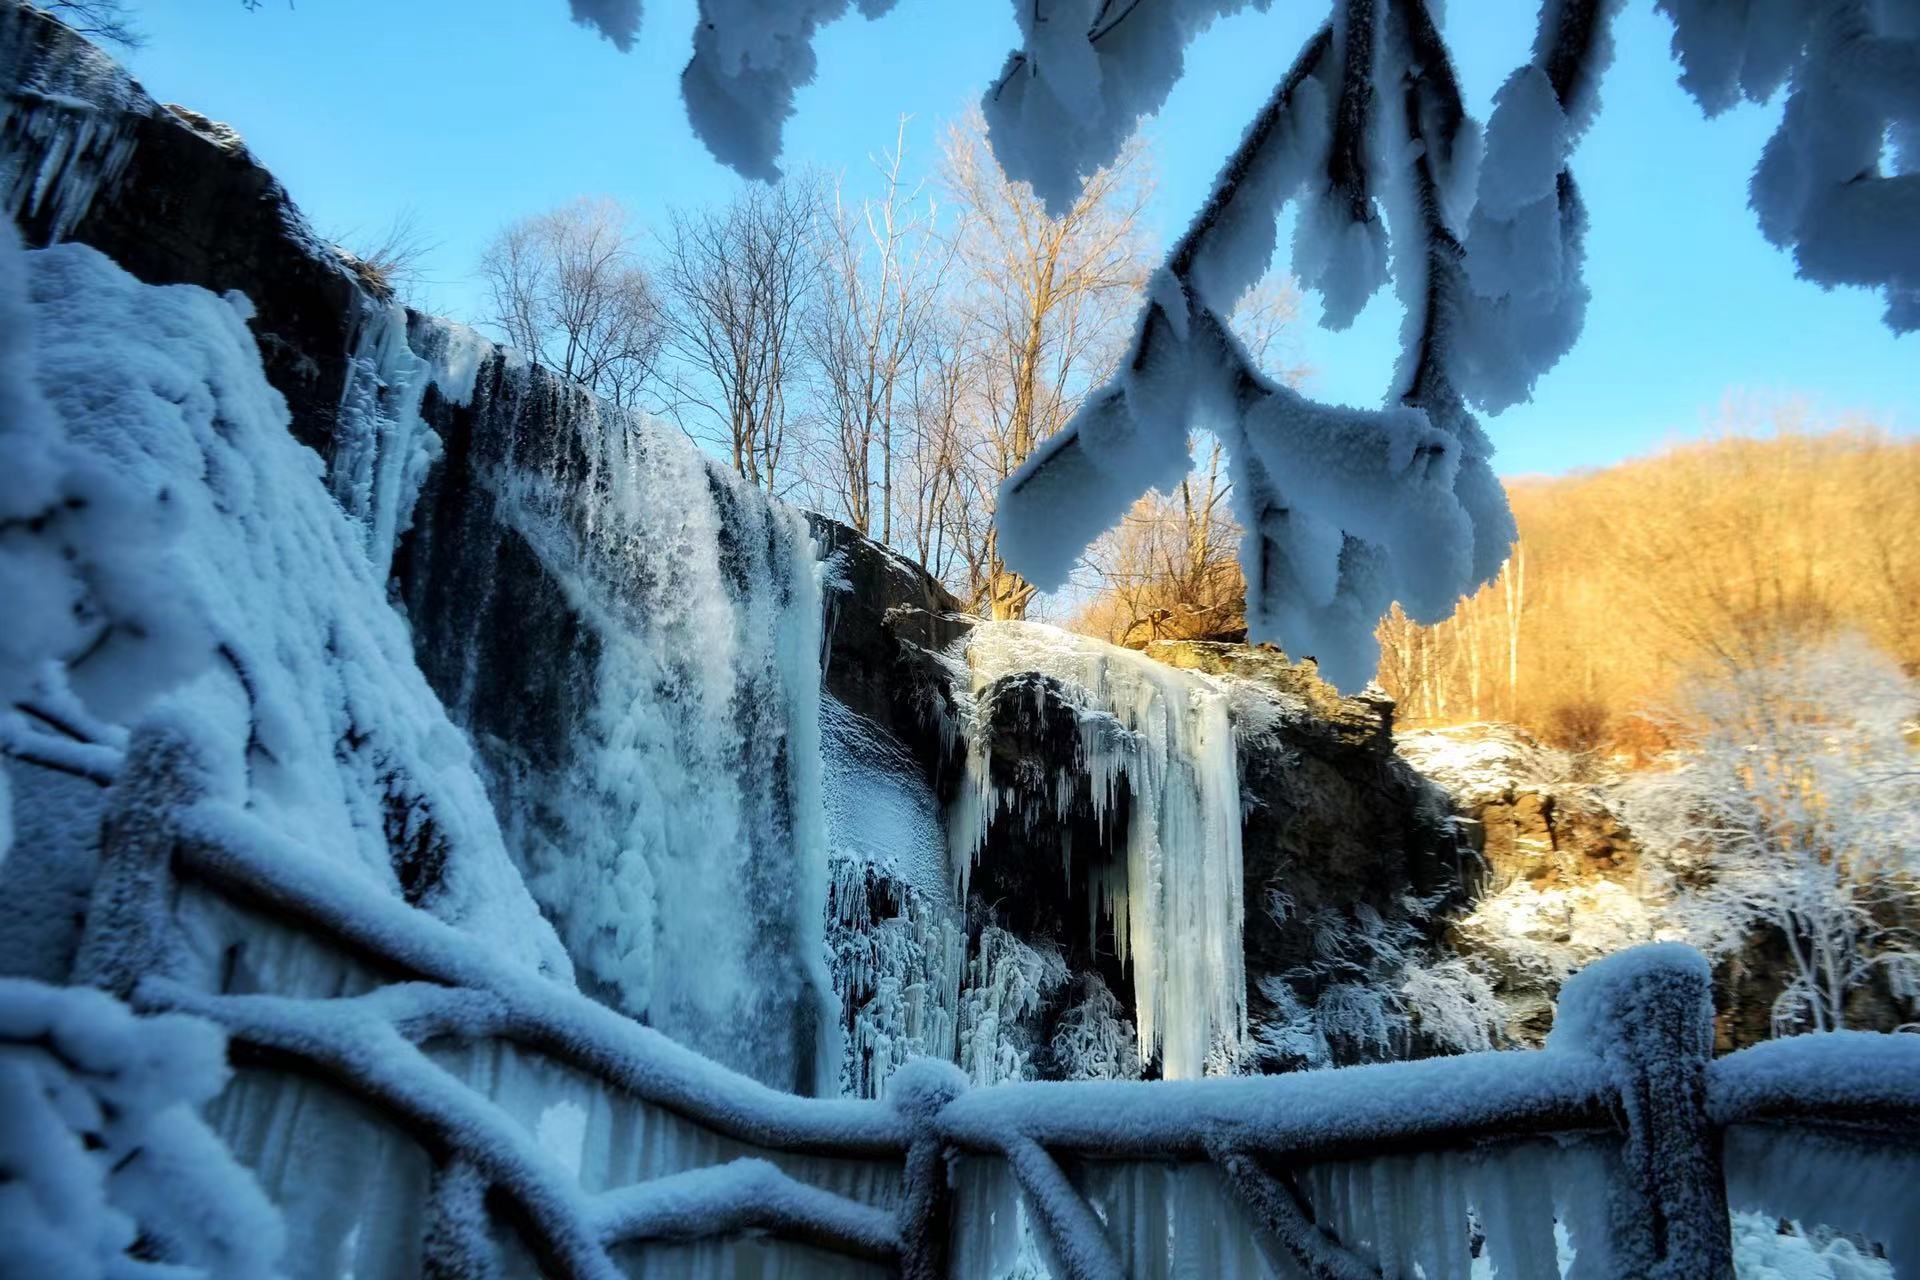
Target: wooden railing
[{"x": 1629, "y": 1066}]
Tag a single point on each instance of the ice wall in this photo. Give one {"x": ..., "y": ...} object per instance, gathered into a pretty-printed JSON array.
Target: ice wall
[
  {"x": 1163, "y": 737},
  {"x": 895, "y": 939},
  {"x": 632, "y": 635}
]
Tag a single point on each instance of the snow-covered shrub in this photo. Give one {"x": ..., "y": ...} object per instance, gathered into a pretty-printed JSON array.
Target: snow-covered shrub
[
  {"x": 1796, "y": 809},
  {"x": 1094, "y": 1039},
  {"x": 1451, "y": 1004},
  {"x": 1370, "y": 990},
  {"x": 1008, "y": 984},
  {"x": 897, "y": 976},
  {"x": 105, "y": 1169}
]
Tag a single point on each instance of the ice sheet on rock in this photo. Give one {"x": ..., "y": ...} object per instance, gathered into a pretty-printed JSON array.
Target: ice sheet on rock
[
  {"x": 381, "y": 449},
  {"x": 68, "y": 134},
  {"x": 1164, "y": 736},
  {"x": 879, "y": 809},
  {"x": 314, "y": 693}
]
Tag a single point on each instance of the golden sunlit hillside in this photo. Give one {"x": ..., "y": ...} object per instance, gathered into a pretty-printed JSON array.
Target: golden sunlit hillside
[
  {"x": 1623, "y": 580},
  {"x": 1700, "y": 556}
]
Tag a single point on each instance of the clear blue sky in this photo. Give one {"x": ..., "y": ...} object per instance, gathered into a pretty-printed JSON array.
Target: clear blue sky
[{"x": 473, "y": 112}]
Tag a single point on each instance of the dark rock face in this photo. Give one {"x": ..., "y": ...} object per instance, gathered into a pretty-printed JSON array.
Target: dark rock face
[
  {"x": 890, "y": 629},
  {"x": 1337, "y": 826},
  {"x": 1041, "y": 858},
  {"x": 495, "y": 633},
  {"x": 175, "y": 199}
]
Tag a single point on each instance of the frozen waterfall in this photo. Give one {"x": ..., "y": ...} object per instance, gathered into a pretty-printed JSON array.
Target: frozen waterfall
[
  {"x": 632, "y": 635},
  {"x": 1162, "y": 738}
]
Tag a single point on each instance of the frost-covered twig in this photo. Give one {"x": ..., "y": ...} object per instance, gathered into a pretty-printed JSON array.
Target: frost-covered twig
[
  {"x": 363, "y": 1046},
  {"x": 350, "y": 1045},
  {"x": 1345, "y": 510},
  {"x": 88, "y": 761}
]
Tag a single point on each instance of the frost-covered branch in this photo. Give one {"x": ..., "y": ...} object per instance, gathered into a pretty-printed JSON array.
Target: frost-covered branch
[
  {"x": 365, "y": 1045},
  {"x": 745, "y": 1195},
  {"x": 351, "y": 1045},
  {"x": 107, "y": 1168},
  {"x": 1276, "y": 1205},
  {"x": 1079, "y": 1240},
  {"x": 92, "y": 762},
  {"x": 1838, "y": 184},
  {"x": 1345, "y": 511},
  {"x": 227, "y": 849}
]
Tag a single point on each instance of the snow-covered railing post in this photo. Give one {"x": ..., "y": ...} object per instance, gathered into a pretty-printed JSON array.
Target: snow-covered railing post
[
  {"x": 1647, "y": 1015},
  {"x": 129, "y": 922},
  {"x": 918, "y": 1091}
]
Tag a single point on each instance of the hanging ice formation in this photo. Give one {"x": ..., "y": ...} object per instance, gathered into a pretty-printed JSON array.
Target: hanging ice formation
[
  {"x": 1161, "y": 738},
  {"x": 894, "y": 941}
]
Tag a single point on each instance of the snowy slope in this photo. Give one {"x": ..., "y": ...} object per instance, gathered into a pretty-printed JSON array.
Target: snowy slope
[{"x": 309, "y": 684}]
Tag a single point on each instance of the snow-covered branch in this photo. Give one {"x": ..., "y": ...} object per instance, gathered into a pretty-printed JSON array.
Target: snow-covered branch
[
  {"x": 740, "y": 1196},
  {"x": 1346, "y": 511},
  {"x": 108, "y": 1170},
  {"x": 1838, "y": 184},
  {"x": 351, "y": 1044},
  {"x": 1276, "y": 1205},
  {"x": 225, "y": 848}
]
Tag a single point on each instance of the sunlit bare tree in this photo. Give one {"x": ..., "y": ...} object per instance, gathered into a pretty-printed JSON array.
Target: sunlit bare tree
[
  {"x": 739, "y": 278},
  {"x": 569, "y": 289}
]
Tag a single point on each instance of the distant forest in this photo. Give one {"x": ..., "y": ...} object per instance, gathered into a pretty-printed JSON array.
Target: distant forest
[{"x": 1694, "y": 563}]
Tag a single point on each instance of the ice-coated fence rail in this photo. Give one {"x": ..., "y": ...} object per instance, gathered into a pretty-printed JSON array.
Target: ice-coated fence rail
[{"x": 536, "y": 1130}]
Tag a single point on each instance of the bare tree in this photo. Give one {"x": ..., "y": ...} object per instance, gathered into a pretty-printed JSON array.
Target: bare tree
[
  {"x": 568, "y": 288},
  {"x": 930, "y": 489},
  {"x": 1047, "y": 301},
  {"x": 739, "y": 278},
  {"x": 883, "y": 271},
  {"x": 106, "y": 20}
]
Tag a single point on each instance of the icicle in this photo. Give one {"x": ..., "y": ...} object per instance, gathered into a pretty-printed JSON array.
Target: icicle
[{"x": 1161, "y": 736}]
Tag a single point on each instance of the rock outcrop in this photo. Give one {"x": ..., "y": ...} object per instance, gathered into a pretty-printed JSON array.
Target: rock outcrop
[{"x": 1558, "y": 883}]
